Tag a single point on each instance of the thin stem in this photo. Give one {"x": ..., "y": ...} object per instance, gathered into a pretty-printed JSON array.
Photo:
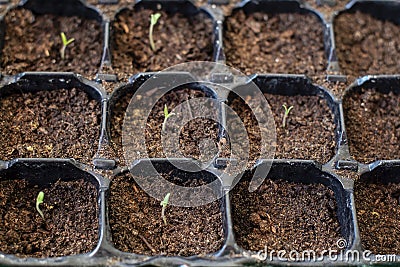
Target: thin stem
[
  {"x": 153, "y": 21},
  {"x": 284, "y": 120},
  {"x": 164, "y": 123},
  {"x": 152, "y": 45},
  {"x": 39, "y": 200},
  {"x": 62, "y": 51},
  {"x": 163, "y": 214}
]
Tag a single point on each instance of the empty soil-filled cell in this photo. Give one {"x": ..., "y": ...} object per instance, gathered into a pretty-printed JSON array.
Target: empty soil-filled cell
[
  {"x": 282, "y": 215},
  {"x": 378, "y": 216},
  {"x": 275, "y": 43},
  {"x": 372, "y": 123},
  {"x": 33, "y": 43},
  {"x": 309, "y": 131},
  {"x": 49, "y": 124},
  {"x": 70, "y": 225},
  {"x": 177, "y": 39},
  {"x": 190, "y": 136},
  {"x": 366, "y": 45},
  {"x": 137, "y": 226}
]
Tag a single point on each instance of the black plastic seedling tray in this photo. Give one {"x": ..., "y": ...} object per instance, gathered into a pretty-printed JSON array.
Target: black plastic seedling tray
[{"x": 108, "y": 88}]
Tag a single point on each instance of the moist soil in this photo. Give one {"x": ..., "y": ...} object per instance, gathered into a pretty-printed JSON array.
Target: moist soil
[
  {"x": 71, "y": 219},
  {"x": 283, "y": 215},
  {"x": 177, "y": 39},
  {"x": 309, "y": 131},
  {"x": 335, "y": 87},
  {"x": 275, "y": 43},
  {"x": 347, "y": 174},
  {"x": 226, "y": 8},
  {"x": 49, "y": 124},
  {"x": 378, "y": 216},
  {"x": 367, "y": 45},
  {"x": 326, "y": 8},
  {"x": 109, "y": 10},
  {"x": 40, "y": 48},
  {"x": 137, "y": 226},
  {"x": 189, "y": 137},
  {"x": 372, "y": 123}
]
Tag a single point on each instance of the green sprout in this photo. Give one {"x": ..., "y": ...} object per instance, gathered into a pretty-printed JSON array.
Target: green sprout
[
  {"x": 39, "y": 200},
  {"x": 166, "y": 116},
  {"x": 164, "y": 204},
  {"x": 153, "y": 21},
  {"x": 286, "y": 114},
  {"x": 65, "y": 43}
]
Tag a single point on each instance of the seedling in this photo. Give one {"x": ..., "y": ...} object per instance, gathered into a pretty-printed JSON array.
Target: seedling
[
  {"x": 164, "y": 204},
  {"x": 286, "y": 114},
  {"x": 153, "y": 21},
  {"x": 166, "y": 116},
  {"x": 65, "y": 43},
  {"x": 39, "y": 200}
]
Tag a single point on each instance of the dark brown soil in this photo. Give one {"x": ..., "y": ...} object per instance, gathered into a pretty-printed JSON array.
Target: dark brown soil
[
  {"x": 107, "y": 9},
  {"x": 372, "y": 123},
  {"x": 309, "y": 131},
  {"x": 178, "y": 39},
  {"x": 366, "y": 45},
  {"x": 336, "y": 88},
  {"x": 32, "y": 43},
  {"x": 275, "y": 43},
  {"x": 59, "y": 123},
  {"x": 71, "y": 219},
  {"x": 282, "y": 215},
  {"x": 226, "y": 8},
  {"x": 190, "y": 136},
  {"x": 347, "y": 174},
  {"x": 378, "y": 215},
  {"x": 137, "y": 226},
  {"x": 326, "y": 9}
]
